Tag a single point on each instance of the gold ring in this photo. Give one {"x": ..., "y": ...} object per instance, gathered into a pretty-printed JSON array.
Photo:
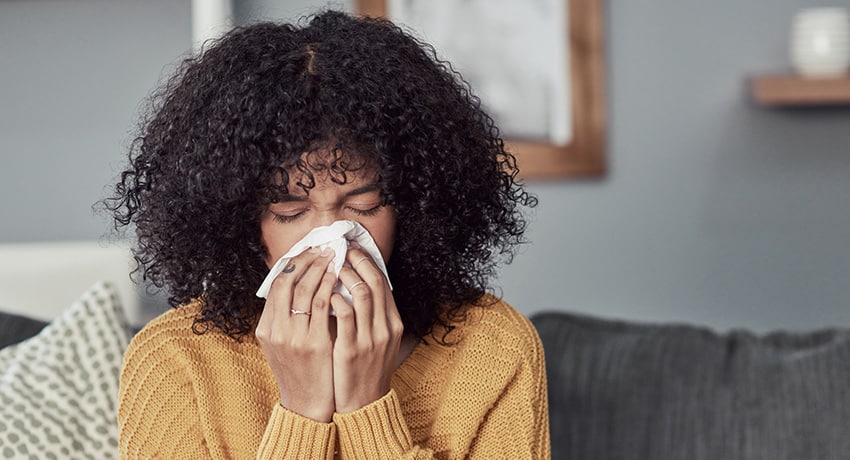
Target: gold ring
[
  {"x": 299, "y": 312},
  {"x": 355, "y": 285},
  {"x": 359, "y": 262}
]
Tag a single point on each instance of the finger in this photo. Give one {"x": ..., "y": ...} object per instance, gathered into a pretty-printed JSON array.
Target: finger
[
  {"x": 298, "y": 265},
  {"x": 362, "y": 299},
  {"x": 322, "y": 302},
  {"x": 346, "y": 323},
  {"x": 306, "y": 288},
  {"x": 375, "y": 279},
  {"x": 356, "y": 285},
  {"x": 279, "y": 301},
  {"x": 360, "y": 260},
  {"x": 363, "y": 264},
  {"x": 280, "y": 294},
  {"x": 263, "y": 329}
]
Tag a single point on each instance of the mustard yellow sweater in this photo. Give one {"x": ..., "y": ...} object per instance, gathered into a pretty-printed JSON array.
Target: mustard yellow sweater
[{"x": 188, "y": 396}]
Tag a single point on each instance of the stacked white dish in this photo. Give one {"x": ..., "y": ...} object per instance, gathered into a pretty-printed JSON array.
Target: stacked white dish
[{"x": 820, "y": 42}]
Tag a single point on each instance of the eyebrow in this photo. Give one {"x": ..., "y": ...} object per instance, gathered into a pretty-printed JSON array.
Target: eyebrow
[
  {"x": 364, "y": 189},
  {"x": 288, "y": 198}
]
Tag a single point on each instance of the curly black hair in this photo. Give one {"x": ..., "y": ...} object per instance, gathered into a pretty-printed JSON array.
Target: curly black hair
[{"x": 232, "y": 119}]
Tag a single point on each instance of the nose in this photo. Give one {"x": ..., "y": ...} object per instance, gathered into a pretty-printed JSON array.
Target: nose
[{"x": 328, "y": 216}]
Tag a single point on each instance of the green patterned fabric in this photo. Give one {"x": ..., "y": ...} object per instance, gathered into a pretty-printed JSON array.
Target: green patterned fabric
[{"x": 58, "y": 389}]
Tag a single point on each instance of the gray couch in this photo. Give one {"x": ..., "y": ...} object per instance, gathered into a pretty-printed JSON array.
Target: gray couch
[
  {"x": 628, "y": 391},
  {"x": 16, "y": 328},
  {"x": 620, "y": 390}
]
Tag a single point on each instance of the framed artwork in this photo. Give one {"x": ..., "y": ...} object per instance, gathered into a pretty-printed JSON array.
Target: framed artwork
[{"x": 538, "y": 67}]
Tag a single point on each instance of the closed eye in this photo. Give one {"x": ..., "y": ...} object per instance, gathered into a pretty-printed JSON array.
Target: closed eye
[
  {"x": 287, "y": 218},
  {"x": 366, "y": 212}
]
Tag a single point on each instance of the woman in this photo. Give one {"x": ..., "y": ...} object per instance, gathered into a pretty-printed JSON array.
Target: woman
[{"x": 276, "y": 130}]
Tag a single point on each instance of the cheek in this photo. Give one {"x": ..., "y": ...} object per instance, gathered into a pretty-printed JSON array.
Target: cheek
[
  {"x": 384, "y": 236},
  {"x": 276, "y": 240}
]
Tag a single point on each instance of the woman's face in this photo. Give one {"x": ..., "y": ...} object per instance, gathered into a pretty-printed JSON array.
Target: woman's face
[{"x": 286, "y": 222}]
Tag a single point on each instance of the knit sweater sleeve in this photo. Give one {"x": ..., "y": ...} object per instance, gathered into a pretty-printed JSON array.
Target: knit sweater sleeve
[
  {"x": 184, "y": 396},
  {"x": 289, "y": 435},
  {"x": 157, "y": 412},
  {"x": 170, "y": 400},
  {"x": 515, "y": 425}
]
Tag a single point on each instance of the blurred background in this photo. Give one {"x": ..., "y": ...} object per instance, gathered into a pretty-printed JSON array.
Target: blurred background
[{"x": 714, "y": 210}]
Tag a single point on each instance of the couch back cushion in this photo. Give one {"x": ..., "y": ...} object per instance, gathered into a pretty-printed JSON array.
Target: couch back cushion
[
  {"x": 15, "y": 328},
  {"x": 620, "y": 390}
]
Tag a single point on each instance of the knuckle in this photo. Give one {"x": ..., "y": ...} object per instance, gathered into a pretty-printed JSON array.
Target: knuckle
[
  {"x": 347, "y": 355},
  {"x": 302, "y": 291},
  {"x": 346, "y": 271},
  {"x": 367, "y": 275},
  {"x": 281, "y": 341},
  {"x": 329, "y": 279},
  {"x": 272, "y": 342},
  {"x": 381, "y": 337},
  {"x": 312, "y": 348},
  {"x": 344, "y": 313},
  {"x": 397, "y": 328},
  {"x": 319, "y": 304},
  {"x": 361, "y": 292},
  {"x": 280, "y": 282},
  {"x": 297, "y": 346},
  {"x": 371, "y": 272}
]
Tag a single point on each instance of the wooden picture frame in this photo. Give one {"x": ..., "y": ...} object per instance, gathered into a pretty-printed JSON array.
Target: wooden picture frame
[{"x": 584, "y": 156}]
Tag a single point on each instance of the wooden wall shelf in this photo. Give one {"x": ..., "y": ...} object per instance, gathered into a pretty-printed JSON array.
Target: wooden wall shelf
[{"x": 791, "y": 90}]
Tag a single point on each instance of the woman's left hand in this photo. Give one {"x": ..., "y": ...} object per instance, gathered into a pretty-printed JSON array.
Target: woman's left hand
[{"x": 368, "y": 335}]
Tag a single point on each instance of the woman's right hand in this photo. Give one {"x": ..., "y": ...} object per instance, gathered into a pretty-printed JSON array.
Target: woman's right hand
[{"x": 298, "y": 346}]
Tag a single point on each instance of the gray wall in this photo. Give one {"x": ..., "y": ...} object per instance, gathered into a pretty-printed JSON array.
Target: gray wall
[
  {"x": 715, "y": 211},
  {"x": 72, "y": 77}
]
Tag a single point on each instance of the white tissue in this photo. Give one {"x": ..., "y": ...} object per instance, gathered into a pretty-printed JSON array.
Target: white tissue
[{"x": 335, "y": 236}]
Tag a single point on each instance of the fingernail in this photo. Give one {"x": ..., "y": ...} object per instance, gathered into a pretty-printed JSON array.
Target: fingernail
[
  {"x": 355, "y": 245},
  {"x": 327, "y": 252}
]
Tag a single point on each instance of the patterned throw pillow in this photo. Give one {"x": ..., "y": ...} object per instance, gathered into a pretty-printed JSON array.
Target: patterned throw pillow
[{"x": 58, "y": 389}]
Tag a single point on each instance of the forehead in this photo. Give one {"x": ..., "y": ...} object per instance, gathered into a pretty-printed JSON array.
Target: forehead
[
  {"x": 322, "y": 180},
  {"x": 325, "y": 168}
]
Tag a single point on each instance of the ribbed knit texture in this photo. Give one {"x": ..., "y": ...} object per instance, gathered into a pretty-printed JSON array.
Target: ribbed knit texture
[{"x": 188, "y": 396}]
